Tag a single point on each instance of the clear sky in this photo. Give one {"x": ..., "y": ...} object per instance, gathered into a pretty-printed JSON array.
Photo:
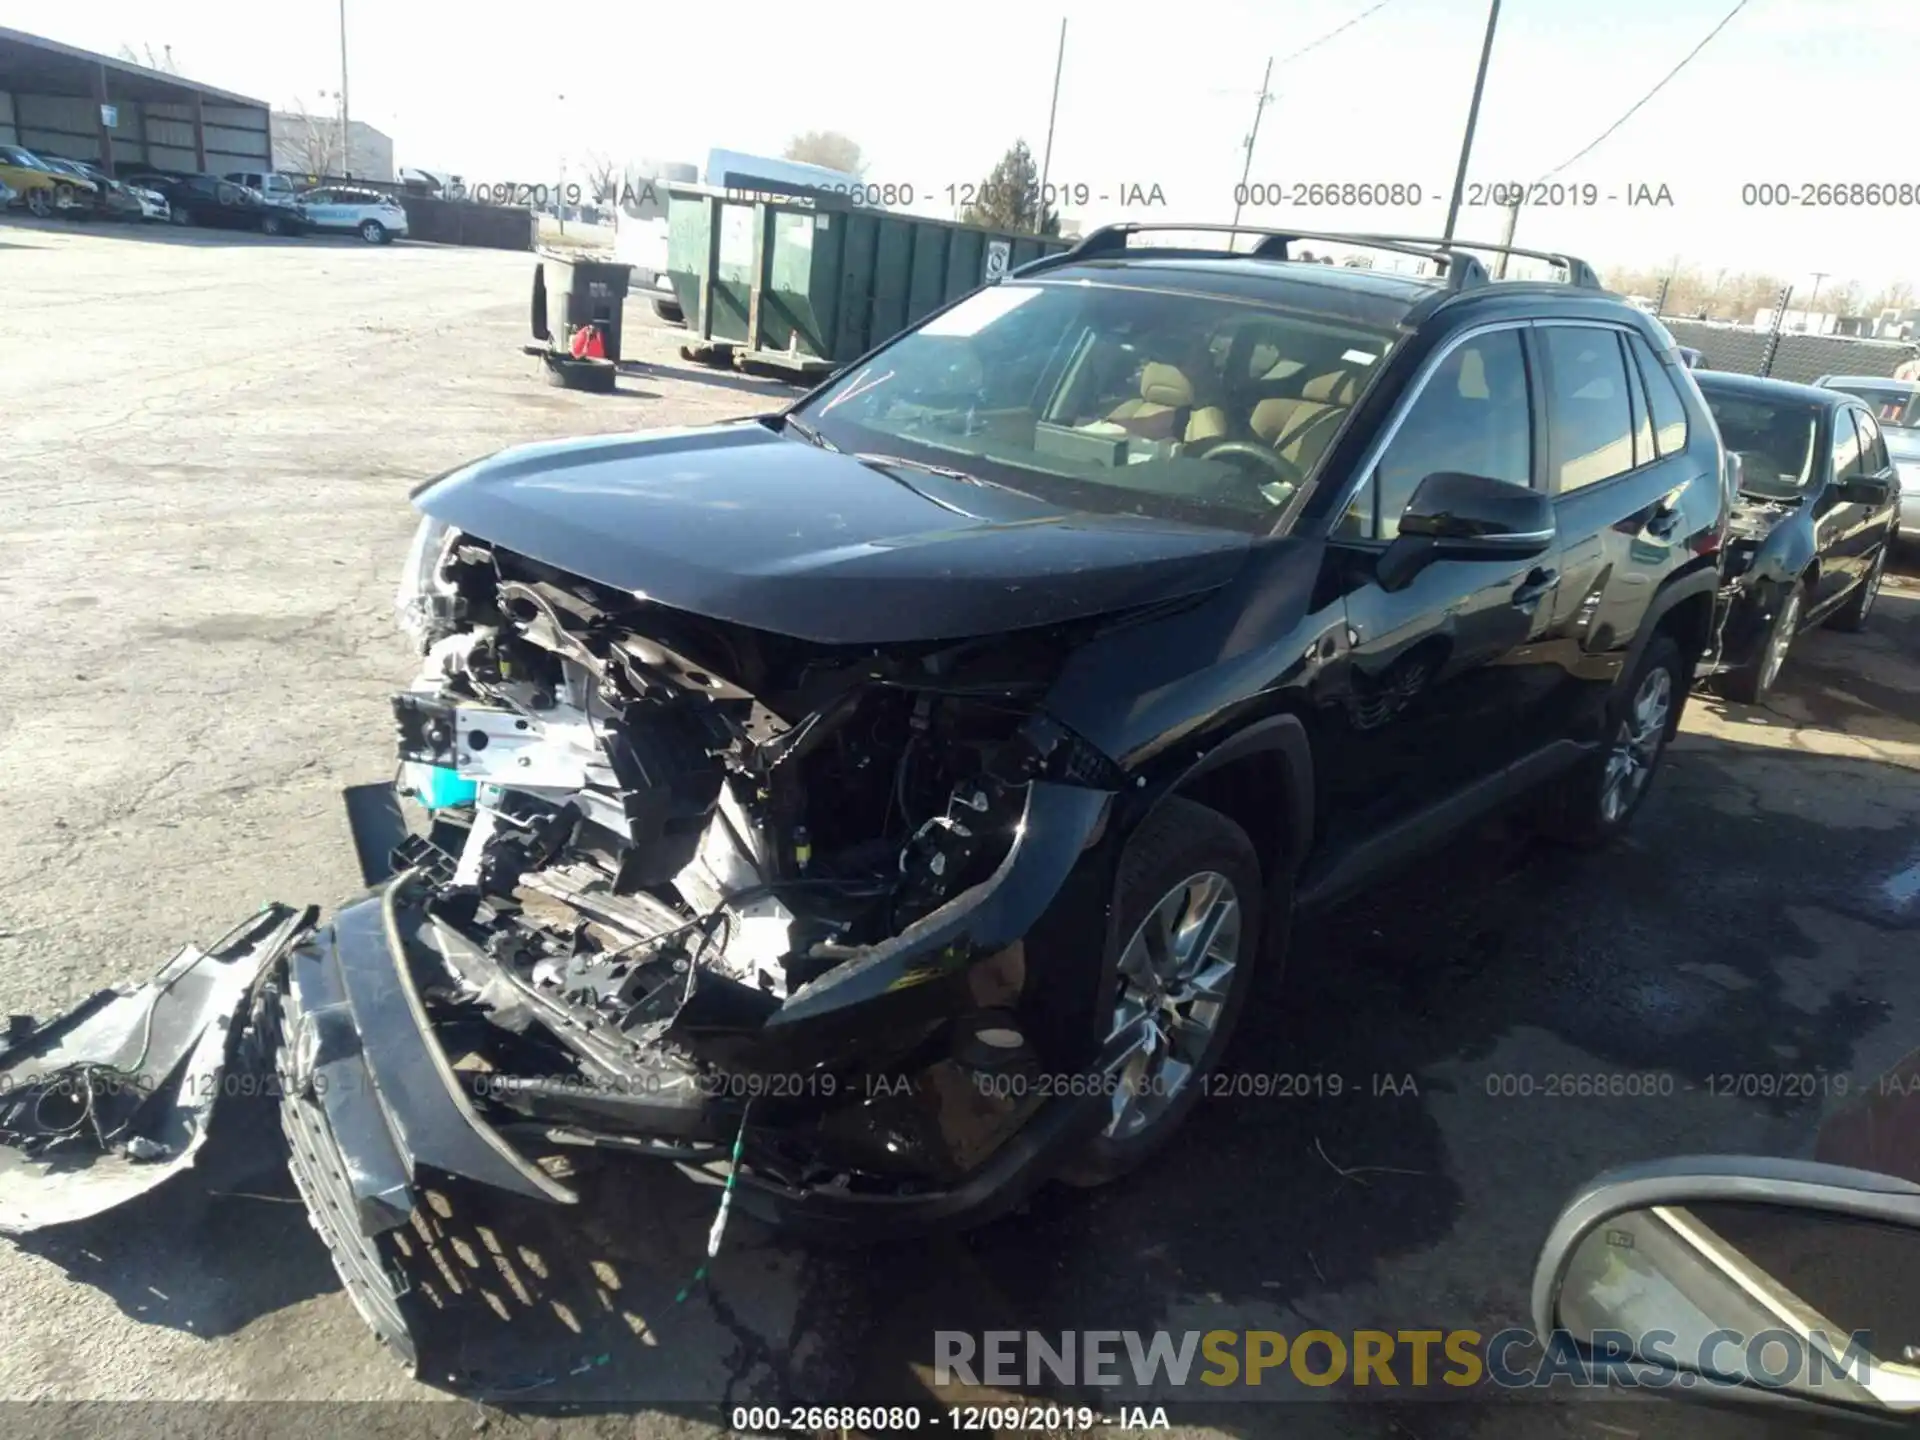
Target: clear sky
[{"x": 1791, "y": 92}]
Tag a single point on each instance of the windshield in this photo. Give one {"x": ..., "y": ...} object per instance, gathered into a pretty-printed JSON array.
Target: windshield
[
  {"x": 1774, "y": 439},
  {"x": 1892, "y": 404},
  {"x": 1111, "y": 399}
]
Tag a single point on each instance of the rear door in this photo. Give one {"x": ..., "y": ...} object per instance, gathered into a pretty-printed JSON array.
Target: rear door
[
  {"x": 1442, "y": 682},
  {"x": 325, "y": 209},
  {"x": 1620, "y": 466}
]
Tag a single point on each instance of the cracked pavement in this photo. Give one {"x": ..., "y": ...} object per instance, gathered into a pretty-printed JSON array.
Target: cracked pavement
[{"x": 202, "y": 512}]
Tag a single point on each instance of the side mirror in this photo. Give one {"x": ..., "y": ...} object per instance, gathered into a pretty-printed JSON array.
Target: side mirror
[
  {"x": 1736, "y": 1279},
  {"x": 1874, "y": 490},
  {"x": 1456, "y": 516},
  {"x": 1736, "y": 472}
]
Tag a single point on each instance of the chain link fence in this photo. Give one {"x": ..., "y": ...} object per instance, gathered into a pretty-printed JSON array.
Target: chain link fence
[{"x": 1788, "y": 356}]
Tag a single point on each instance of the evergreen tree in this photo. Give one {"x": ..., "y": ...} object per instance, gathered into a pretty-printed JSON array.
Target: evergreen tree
[{"x": 1009, "y": 198}]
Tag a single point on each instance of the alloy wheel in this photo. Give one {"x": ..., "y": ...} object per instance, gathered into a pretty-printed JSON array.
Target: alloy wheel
[
  {"x": 372, "y": 233},
  {"x": 38, "y": 204},
  {"x": 1636, "y": 745},
  {"x": 1176, "y": 973},
  {"x": 1779, "y": 641}
]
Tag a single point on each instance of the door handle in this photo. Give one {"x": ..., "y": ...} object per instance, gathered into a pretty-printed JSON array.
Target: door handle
[{"x": 1539, "y": 581}]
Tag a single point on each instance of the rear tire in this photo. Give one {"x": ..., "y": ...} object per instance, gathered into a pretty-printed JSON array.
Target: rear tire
[
  {"x": 1183, "y": 943},
  {"x": 1594, "y": 801},
  {"x": 40, "y": 203},
  {"x": 272, "y": 225},
  {"x": 1852, "y": 616}
]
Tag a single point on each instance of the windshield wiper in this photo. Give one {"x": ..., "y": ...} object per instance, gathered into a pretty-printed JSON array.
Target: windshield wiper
[
  {"x": 806, "y": 432},
  {"x": 947, "y": 472}
]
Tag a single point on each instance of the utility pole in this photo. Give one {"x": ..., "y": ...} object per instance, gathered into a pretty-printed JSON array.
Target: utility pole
[
  {"x": 346, "y": 134},
  {"x": 1812, "y": 294},
  {"x": 1506, "y": 238},
  {"x": 1046, "y": 155},
  {"x": 1246, "y": 169},
  {"x": 1473, "y": 120},
  {"x": 560, "y": 190}
]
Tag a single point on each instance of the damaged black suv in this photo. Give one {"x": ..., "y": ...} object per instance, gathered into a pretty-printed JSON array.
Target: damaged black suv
[{"x": 884, "y": 805}]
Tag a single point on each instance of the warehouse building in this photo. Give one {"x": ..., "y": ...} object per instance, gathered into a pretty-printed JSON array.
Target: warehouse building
[
  {"x": 72, "y": 103},
  {"x": 306, "y": 144}
]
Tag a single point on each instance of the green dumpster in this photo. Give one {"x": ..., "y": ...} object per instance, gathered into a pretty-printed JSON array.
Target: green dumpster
[{"x": 807, "y": 283}]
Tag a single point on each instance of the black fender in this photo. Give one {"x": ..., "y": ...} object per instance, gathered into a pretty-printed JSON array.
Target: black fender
[
  {"x": 1703, "y": 578},
  {"x": 1284, "y": 735}
]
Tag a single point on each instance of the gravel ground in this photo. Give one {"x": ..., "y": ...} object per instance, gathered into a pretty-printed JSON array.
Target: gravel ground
[{"x": 202, "y": 511}]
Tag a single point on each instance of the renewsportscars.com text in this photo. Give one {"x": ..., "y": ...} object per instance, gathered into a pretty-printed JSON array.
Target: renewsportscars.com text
[{"x": 1439, "y": 1362}]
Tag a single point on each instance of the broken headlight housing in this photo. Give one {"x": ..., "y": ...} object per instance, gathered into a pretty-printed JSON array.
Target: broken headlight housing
[{"x": 426, "y": 603}]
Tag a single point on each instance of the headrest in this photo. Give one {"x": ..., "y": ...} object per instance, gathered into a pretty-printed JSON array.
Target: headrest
[
  {"x": 1165, "y": 385},
  {"x": 1473, "y": 375},
  {"x": 1336, "y": 387}
]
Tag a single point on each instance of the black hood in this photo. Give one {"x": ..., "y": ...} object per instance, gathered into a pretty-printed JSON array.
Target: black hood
[{"x": 742, "y": 524}]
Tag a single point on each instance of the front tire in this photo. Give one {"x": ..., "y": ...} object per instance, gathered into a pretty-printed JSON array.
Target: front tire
[
  {"x": 1754, "y": 681},
  {"x": 1852, "y": 616},
  {"x": 1182, "y": 945},
  {"x": 1595, "y": 801},
  {"x": 373, "y": 232},
  {"x": 180, "y": 215}
]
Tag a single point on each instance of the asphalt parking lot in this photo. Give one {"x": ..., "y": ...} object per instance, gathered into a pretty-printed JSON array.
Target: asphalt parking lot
[{"x": 202, "y": 510}]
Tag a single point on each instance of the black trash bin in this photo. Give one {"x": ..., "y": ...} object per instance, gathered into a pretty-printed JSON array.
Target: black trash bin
[{"x": 582, "y": 292}]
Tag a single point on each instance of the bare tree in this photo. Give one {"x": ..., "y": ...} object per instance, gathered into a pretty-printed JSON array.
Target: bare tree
[
  {"x": 313, "y": 147},
  {"x": 145, "y": 55},
  {"x": 604, "y": 175},
  {"x": 829, "y": 148}
]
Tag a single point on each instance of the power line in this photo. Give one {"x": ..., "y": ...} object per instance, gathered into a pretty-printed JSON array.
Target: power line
[
  {"x": 1338, "y": 29},
  {"x": 1741, "y": 5}
]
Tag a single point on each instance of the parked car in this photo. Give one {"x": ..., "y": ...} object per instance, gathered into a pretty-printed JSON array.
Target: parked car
[
  {"x": 212, "y": 201},
  {"x": 1896, "y": 405},
  {"x": 111, "y": 200},
  {"x": 148, "y": 204},
  {"x": 1815, "y": 518},
  {"x": 274, "y": 188},
  {"x": 44, "y": 190},
  {"x": 374, "y": 217},
  {"x": 974, "y": 727}
]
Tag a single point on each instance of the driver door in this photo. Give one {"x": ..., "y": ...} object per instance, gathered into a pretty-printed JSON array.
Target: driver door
[{"x": 1444, "y": 684}]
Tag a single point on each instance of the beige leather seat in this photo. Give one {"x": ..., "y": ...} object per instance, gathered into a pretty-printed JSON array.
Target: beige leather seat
[
  {"x": 1289, "y": 425},
  {"x": 1166, "y": 408}
]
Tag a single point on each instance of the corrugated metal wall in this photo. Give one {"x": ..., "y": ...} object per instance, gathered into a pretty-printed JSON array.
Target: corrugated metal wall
[{"x": 236, "y": 135}]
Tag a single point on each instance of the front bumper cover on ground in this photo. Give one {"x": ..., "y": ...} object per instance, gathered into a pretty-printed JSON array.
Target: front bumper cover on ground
[{"x": 110, "y": 1099}]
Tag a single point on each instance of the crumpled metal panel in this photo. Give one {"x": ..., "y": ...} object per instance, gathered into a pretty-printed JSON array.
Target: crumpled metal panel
[{"x": 109, "y": 1100}]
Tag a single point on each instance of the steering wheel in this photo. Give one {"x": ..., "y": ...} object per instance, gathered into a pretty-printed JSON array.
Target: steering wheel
[{"x": 1268, "y": 466}]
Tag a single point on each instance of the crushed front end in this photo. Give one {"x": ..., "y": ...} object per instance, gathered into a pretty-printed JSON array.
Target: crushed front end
[{"x": 692, "y": 890}]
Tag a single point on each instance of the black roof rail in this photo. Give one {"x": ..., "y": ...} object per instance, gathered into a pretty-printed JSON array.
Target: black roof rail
[
  {"x": 1463, "y": 271},
  {"x": 1579, "y": 272}
]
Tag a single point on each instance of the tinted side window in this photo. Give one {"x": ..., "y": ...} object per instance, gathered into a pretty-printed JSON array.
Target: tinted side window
[
  {"x": 1471, "y": 415},
  {"x": 1669, "y": 411},
  {"x": 1873, "y": 445},
  {"x": 1846, "y": 449},
  {"x": 1587, "y": 405}
]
